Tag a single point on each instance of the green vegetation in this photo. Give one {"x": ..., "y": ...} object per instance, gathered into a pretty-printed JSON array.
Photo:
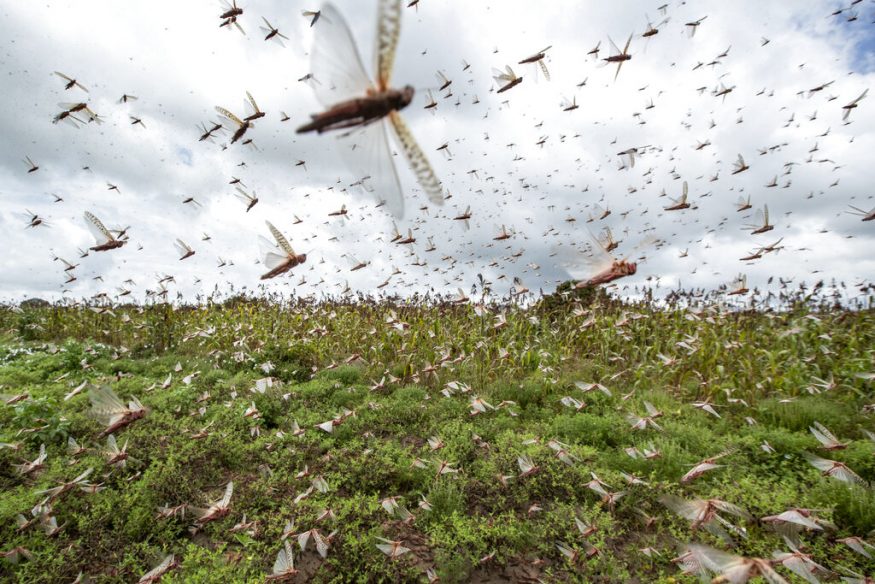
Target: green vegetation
[{"x": 394, "y": 375}]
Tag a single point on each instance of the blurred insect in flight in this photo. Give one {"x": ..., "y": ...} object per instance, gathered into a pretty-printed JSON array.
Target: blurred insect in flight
[
  {"x": 282, "y": 262},
  {"x": 354, "y": 102},
  {"x": 538, "y": 59}
]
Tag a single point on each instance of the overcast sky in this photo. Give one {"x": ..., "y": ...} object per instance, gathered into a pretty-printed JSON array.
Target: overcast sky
[{"x": 517, "y": 158}]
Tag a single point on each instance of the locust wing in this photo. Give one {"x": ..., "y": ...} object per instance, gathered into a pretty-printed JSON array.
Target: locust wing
[
  {"x": 158, "y": 570},
  {"x": 251, "y": 107},
  {"x": 97, "y": 229},
  {"x": 322, "y": 544},
  {"x": 366, "y": 152},
  {"x": 280, "y": 239},
  {"x": 270, "y": 254},
  {"x": 388, "y": 31},
  {"x": 229, "y": 116},
  {"x": 106, "y": 405},
  {"x": 544, "y": 69},
  {"x": 428, "y": 180},
  {"x": 226, "y": 498},
  {"x": 285, "y": 560},
  {"x": 504, "y": 77},
  {"x": 582, "y": 263},
  {"x": 335, "y": 62}
]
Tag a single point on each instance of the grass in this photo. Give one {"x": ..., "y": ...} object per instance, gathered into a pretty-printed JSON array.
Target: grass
[{"x": 404, "y": 372}]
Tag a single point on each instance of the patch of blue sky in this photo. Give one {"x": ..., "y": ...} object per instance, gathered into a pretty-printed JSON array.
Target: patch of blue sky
[{"x": 184, "y": 155}]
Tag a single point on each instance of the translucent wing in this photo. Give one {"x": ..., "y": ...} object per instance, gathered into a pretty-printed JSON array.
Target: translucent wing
[
  {"x": 641, "y": 246},
  {"x": 198, "y": 512},
  {"x": 270, "y": 254},
  {"x": 335, "y": 61},
  {"x": 366, "y": 153},
  {"x": 135, "y": 405},
  {"x": 688, "y": 510},
  {"x": 819, "y": 463},
  {"x": 285, "y": 559},
  {"x": 105, "y": 404},
  {"x": 250, "y": 105},
  {"x": 83, "y": 476},
  {"x": 761, "y": 217},
  {"x": 582, "y": 264},
  {"x": 97, "y": 229},
  {"x": 42, "y": 454},
  {"x": 601, "y": 211},
  {"x": 226, "y": 498},
  {"x": 303, "y": 539},
  {"x": 229, "y": 115},
  {"x": 715, "y": 560},
  {"x": 544, "y": 69},
  {"x": 805, "y": 568},
  {"x": 606, "y": 239},
  {"x": 797, "y": 518},
  {"x": 862, "y": 95},
  {"x": 388, "y": 31},
  {"x": 525, "y": 463},
  {"x": 159, "y": 569},
  {"x": 243, "y": 195},
  {"x": 614, "y": 46},
  {"x": 418, "y": 162},
  {"x": 280, "y": 239},
  {"x": 833, "y": 469},
  {"x": 322, "y": 544},
  {"x": 503, "y": 77},
  {"x": 431, "y": 103},
  {"x": 385, "y": 548},
  {"x": 273, "y": 260}
]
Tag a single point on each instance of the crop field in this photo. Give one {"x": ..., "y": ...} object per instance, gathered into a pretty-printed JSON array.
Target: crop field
[{"x": 573, "y": 440}]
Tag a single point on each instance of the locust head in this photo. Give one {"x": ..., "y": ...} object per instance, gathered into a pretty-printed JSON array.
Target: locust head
[
  {"x": 406, "y": 96},
  {"x": 628, "y": 268}
]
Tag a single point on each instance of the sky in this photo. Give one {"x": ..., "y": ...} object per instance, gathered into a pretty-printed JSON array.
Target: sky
[{"x": 518, "y": 159}]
